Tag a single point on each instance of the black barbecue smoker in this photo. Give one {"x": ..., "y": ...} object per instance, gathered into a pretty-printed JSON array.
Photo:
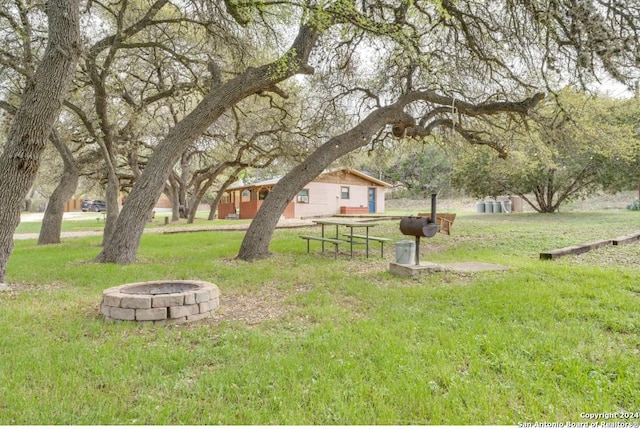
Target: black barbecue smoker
[{"x": 420, "y": 227}]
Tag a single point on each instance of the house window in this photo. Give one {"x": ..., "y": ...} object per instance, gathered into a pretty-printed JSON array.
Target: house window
[
  {"x": 344, "y": 192},
  {"x": 303, "y": 196},
  {"x": 263, "y": 194}
]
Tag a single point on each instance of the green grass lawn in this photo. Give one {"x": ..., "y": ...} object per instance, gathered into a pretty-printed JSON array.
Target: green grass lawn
[
  {"x": 95, "y": 222},
  {"x": 303, "y": 339}
]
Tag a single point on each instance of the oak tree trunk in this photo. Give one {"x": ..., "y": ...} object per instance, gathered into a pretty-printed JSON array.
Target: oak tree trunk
[
  {"x": 195, "y": 200},
  {"x": 41, "y": 103},
  {"x": 113, "y": 209},
  {"x": 171, "y": 192},
  {"x": 200, "y": 189},
  {"x": 54, "y": 213},
  {"x": 214, "y": 204},
  {"x": 182, "y": 186}
]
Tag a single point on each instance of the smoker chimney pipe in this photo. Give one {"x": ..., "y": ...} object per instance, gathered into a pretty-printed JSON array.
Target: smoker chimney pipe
[{"x": 433, "y": 208}]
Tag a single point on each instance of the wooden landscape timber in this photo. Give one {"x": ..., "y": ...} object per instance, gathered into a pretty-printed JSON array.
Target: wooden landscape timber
[
  {"x": 583, "y": 248},
  {"x": 626, "y": 239}
]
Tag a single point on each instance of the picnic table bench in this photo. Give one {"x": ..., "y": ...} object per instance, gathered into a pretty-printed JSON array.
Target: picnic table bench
[
  {"x": 334, "y": 241},
  {"x": 381, "y": 240}
]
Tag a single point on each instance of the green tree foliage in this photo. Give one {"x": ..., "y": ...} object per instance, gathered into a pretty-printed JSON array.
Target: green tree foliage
[
  {"x": 569, "y": 150},
  {"x": 419, "y": 170}
]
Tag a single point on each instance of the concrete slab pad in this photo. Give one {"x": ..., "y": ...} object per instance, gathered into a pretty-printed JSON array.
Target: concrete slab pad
[
  {"x": 425, "y": 268},
  {"x": 414, "y": 271}
]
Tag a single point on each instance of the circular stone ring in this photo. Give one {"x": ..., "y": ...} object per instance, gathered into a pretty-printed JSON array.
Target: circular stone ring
[{"x": 160, "y": 301}]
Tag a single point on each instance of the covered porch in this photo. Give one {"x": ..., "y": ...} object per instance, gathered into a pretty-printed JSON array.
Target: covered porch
[{"x": 243, "y": 202}]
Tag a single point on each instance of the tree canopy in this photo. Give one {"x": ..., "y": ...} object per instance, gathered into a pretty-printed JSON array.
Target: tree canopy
[{"x": 567, "y": 151}]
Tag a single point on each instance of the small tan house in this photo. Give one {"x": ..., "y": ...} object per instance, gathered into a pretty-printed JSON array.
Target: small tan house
[{"x": 344, "y": 191}]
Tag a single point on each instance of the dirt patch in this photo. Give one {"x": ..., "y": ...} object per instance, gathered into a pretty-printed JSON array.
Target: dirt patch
[
  {"x": 14, "y": 288},
  {"x": 266, "y": 304}
]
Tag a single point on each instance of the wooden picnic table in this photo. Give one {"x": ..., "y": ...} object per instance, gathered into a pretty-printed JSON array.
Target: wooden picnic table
[{"x": 351, "y": 225}]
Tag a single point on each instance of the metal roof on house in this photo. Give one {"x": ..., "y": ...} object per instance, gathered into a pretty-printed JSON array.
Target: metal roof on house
[
  {"x": 362, "y": 175},
  {"x": 270, "y": 182},
  {"x": 240, "y": 185}
]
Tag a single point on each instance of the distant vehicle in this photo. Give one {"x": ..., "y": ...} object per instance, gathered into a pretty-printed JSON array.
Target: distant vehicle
[{"x": 93, "y": 206}]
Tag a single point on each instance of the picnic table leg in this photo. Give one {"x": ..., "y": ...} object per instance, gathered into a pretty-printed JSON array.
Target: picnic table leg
[
  {"x": 322, "y": 237},
  {"x": 351, "y": 242},
  {"x": 367, "y": 240}
]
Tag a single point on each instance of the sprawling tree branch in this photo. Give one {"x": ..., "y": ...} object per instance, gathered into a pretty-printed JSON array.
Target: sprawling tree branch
[
  {"x": 122, "y": 246},
  {"x": 256, "y": 241}
]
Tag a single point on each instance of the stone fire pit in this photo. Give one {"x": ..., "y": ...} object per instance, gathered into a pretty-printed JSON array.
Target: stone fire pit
[{"x": 160, "y": 301}]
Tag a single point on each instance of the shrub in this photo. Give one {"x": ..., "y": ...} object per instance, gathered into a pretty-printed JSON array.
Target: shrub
[{"x": 635, "y": 205}]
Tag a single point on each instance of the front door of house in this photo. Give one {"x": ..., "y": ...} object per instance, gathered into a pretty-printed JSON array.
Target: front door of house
[{"x": 372, "y": 200}]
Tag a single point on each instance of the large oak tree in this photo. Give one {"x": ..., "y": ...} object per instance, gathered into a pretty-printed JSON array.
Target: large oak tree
[{"x": 31, "y": 125}]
